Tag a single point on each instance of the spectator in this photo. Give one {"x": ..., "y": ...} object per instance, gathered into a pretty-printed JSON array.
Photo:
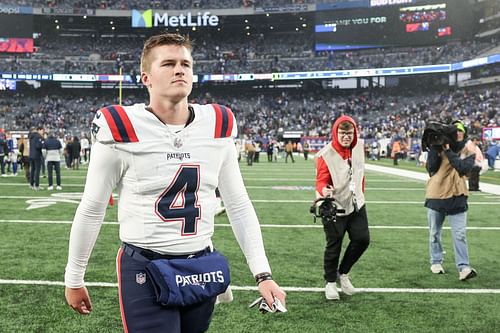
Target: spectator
[
  {"x": 85, "y": 143},
  {"x": 75, "y": 153},
  {"x": 306, "y": 148},
  {"x": 24, "y": 150},
  {"x": 492, "y": 153},
  {"x": 35, "y": 157},
  {"x": 289, "y": 151},
  {"x": 3, "y": 152},
  {"x": 52, "y": 150}
]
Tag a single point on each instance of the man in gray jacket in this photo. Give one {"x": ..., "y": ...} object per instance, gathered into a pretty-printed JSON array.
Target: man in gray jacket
[{"x": 52, "y": 150}]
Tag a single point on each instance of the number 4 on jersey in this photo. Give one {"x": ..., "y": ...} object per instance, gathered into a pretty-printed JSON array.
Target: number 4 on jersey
[{"x": 179, "y": 202}]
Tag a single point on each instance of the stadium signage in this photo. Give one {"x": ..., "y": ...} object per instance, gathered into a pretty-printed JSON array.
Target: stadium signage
[
  {"x": 148, "y": 19},
  {"x": 375, "y": 3},
  {"x": 358, "y": 21},
  {"x": 15, "y": 10}
]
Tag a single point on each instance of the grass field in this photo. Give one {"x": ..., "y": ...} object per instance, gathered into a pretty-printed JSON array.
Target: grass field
[{"x": 398, "y": 292}]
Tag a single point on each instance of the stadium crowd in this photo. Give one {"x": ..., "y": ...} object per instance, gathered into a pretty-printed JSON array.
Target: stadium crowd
[
  {"x": 270, "y": 114},
  {"x": 215, "y": 55}
]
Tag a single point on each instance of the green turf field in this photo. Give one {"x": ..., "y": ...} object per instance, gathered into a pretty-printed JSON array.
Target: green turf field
[{"x": 398, "y": 292}]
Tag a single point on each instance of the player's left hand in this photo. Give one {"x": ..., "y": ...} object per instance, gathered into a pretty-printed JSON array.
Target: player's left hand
[
  {"x": 78, "y": 299},
  {"x": 269, "y": 290}
]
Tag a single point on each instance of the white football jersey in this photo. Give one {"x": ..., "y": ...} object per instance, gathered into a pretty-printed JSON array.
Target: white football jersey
[{"x": 166, "y": 182}]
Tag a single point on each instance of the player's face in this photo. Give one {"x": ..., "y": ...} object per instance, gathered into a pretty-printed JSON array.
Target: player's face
[
  {"x": 345, "y": 137},
  {"x": 171, "y": 72}
]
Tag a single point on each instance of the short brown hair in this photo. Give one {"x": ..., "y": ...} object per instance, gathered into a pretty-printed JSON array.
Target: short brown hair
[
  {"x": 345, "y": 125},
  {"x": 159, "y": 40}
]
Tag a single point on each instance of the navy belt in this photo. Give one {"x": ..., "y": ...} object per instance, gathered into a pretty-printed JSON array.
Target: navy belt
[{"x": 148, "y": 255}]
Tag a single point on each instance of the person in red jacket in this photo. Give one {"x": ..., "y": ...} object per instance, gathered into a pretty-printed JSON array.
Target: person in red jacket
[{"x": 340, "y": 175}]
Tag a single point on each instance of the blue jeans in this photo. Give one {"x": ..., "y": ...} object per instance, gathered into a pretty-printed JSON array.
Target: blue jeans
[
  {"x": 458, "y": 224},
  {"x": 491, "y": 161}
]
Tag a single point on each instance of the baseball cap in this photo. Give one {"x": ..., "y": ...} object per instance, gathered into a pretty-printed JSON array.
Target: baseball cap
[{"x": 460, "y": 126}]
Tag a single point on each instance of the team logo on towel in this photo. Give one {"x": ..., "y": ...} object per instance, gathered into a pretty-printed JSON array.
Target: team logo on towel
[{"x": 140, "y": 278}]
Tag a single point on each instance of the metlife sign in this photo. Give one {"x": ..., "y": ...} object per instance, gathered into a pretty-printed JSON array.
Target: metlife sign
[{"x": 148, "y": 19}]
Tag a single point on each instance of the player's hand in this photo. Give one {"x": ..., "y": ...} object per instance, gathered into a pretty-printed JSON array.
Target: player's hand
[
  {"x": 78, "y": 299},
  {"x": 328, "y": 191},
  {"x": 269, "y": 290}
]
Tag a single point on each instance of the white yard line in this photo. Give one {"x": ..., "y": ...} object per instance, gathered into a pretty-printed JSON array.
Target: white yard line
[{"x": 298, "y": 289}]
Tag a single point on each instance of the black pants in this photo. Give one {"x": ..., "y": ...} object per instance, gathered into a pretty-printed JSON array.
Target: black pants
[
  {"x": 35, "y": 167},
  {"x": 250, "y": 157},
  {"x": 56, "y": 166},
  {"x": 142, "y": 313},
  {"x": 356, "y": 226},
  {"x": 474, "y": 179}
]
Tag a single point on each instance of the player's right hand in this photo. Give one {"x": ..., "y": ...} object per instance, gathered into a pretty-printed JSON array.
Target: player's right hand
[
  {"x": 78, "y": 299},
  {"x": 328, "y": 191}
]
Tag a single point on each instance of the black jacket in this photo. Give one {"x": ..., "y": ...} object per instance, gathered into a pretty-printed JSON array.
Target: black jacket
[{"x": 36, "y": 144}]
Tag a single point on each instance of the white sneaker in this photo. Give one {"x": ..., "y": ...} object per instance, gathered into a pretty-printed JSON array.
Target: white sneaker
[
  {"x": 437, "y": 269},
  {"x": 346, "y": 285},
  {"x": 50, "y": 188},
  {"x": 225, "y": 297},
  {"x": 331, "y": 291},
  {"x": 467, "y": 273},
  {"x": 58, "y": 188}
]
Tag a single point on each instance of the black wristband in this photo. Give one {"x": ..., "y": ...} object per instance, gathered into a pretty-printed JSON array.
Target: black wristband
[{"x": 263, "y": 277}]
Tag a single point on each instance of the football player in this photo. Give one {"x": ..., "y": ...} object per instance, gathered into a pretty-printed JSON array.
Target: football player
[{"x": 165, "y": 159}]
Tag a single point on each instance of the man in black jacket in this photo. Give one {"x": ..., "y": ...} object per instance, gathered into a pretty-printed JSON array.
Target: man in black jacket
[{"x": 35, "y": 157}]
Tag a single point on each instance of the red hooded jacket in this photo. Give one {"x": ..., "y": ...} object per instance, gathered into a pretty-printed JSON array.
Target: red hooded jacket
[{"x": 323, "y": 177}]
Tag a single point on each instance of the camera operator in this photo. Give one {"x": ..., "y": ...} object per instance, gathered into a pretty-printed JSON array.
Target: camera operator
[
  {"x": 340, "y": 175},
  {"x": 446, "y": 195}
]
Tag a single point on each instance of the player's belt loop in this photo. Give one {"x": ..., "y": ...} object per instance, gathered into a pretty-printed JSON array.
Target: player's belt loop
[{"x": 133, "y": 252}]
